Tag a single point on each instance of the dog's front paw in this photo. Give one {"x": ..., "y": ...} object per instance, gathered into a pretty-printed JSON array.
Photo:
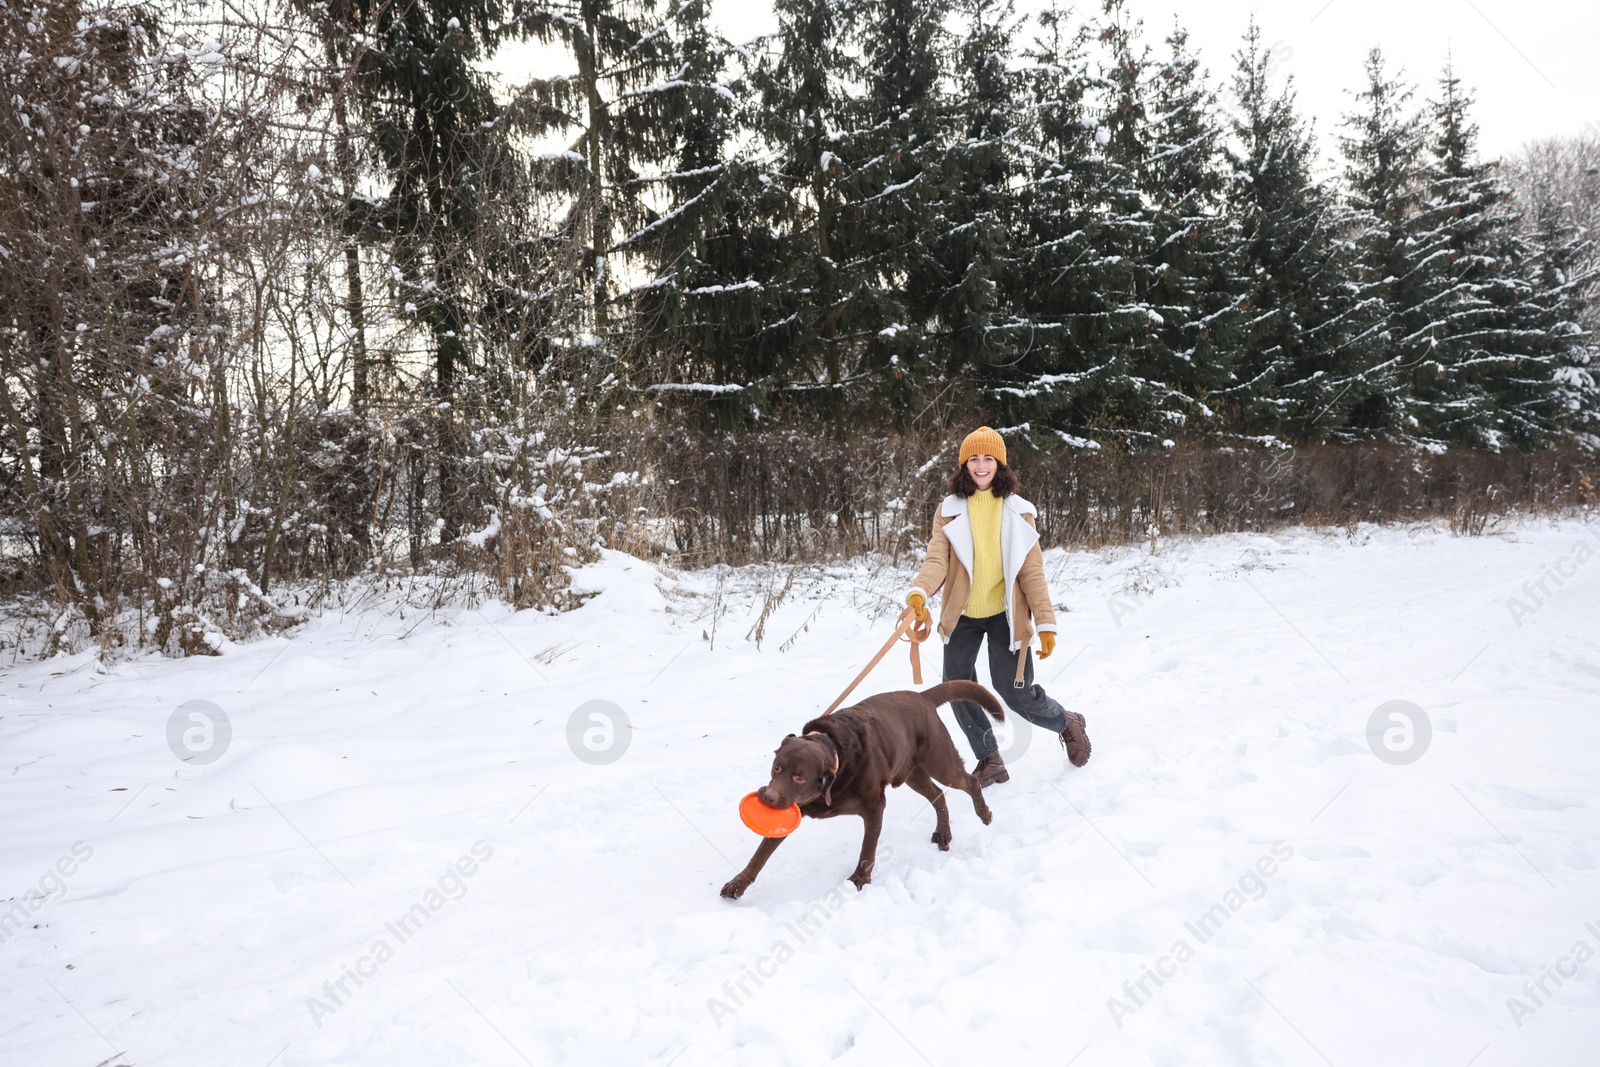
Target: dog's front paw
[
  {"x": 942, "y": 839},
  {"x": 861, "y": 880},
  {"x": 986, "y": 815},
  {"x": 736, "y": 887}
]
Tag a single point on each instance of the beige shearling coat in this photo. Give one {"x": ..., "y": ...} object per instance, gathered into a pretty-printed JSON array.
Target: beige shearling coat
[{"x": 949, "y": 565}]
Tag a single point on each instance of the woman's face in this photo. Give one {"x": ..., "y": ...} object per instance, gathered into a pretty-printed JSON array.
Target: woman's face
[{"x": 982, "y": 469}]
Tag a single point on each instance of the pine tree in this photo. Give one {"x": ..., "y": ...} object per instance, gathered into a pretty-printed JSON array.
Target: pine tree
[
  {"x": 711, "y": 250},
  {"x": 892, "y": 192},
  {"x": 1128, "y": 399},
  {"x": 418, "y": 83},
  {"x": 1488, "y": 364},
  {"x": 1561, "y": 400},
  {"x": 1392, "y": 384},
  {"x": 1064, "y": 282},
  {"x": 1293, "y": 269},
  {"x": 802, "y": 107},
  {"x": 432, "y": 108},
  {"x": 618, "y": 121},
  {"x": 972, "y": 220},
  {"x": 1188, "y": 276},
  {"x": 1557, "y": 192},
  {"x": 1159, "y": 236}
]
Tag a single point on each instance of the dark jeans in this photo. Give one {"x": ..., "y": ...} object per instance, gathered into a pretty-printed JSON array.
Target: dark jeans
[{"x": 961, "y": 662}]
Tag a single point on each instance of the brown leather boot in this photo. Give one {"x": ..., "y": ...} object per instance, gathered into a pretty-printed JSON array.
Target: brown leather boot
[
  {"x": 991, "y": 770},
  {"x": 1076, "y": 739}
]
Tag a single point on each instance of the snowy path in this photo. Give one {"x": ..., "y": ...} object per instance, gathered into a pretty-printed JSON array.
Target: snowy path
[{"x": 1235, "y": 878}]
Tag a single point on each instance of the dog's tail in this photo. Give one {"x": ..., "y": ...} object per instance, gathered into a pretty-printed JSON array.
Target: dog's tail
[{"x": 945, "y": 692}]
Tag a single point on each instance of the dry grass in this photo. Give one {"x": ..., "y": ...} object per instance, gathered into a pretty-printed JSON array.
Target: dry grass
[{"x": 789, "y": 497}]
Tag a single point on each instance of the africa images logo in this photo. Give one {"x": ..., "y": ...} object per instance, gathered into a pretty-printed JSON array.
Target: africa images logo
[
  {"x": 199, "y": 732},
  {"x": 1399, "y": 732},
  {"x": 599, "y": 732}
]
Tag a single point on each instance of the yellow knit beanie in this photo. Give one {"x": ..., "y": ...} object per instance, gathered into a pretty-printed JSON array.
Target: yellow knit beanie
[{"x": 982, "y": 442}]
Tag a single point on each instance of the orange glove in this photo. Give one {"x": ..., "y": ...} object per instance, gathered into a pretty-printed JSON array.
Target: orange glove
[
  {"x": 919, "y": 606},
  {"x": 1047, "y": 644}
]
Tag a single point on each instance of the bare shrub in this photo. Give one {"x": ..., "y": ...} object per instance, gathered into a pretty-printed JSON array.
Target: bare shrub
[{"x": 792, "y": 497}]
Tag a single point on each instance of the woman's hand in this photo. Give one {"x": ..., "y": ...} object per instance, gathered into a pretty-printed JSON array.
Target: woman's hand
[
  {"x": 919, "y": 606},
  {"x": 1047, "y": 644}
]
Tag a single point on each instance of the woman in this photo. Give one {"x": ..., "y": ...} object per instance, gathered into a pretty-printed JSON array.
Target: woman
[{"x": 985, "y": 554}]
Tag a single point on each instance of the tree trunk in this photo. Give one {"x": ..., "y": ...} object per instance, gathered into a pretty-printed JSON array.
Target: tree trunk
[
  {"x": 355, "y": 301},
  {"x": 600, "y": 220}
]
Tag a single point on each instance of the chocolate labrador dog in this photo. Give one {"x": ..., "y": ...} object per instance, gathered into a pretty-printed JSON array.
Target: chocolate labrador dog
[{"x": 843, "y": 763}]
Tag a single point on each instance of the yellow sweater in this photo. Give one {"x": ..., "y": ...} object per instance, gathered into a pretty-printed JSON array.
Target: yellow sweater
[{"x": 988, "y": 579}]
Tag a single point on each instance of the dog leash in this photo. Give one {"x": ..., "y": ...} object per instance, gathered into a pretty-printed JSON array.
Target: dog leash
[{"x": 916, "y": 632}]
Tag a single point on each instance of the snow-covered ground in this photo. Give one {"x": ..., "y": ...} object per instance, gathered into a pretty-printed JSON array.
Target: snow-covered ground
[{"x": 400, "y": 860}]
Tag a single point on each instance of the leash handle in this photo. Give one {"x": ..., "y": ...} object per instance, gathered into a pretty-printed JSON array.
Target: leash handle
[{"x": 917, "y": 633}]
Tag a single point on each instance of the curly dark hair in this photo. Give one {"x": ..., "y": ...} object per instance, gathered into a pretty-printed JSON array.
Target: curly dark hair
[{"x": 1004, "y": 484}]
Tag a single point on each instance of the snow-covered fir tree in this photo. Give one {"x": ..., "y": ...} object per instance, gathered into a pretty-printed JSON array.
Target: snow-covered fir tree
[
  {"x": 1478, "y": 286},
  {"x": 1292, "y": 265},
  {"x": 1563, "y": 271},
  {"x": 419, "y": 82},
  {"x": 618, "y": 129},
  {"x": 803, "y": 101},
  {"x": 893, "y": 185},
  {"x": 1119, "y": 397},
  {"x": 1188, "y": 276},
  {"x": 701, "y": 237},
  {"x": 1394, "y": 384},
  {"x": 971, "y": 220},
  {"x": 1065, "y": 281}
]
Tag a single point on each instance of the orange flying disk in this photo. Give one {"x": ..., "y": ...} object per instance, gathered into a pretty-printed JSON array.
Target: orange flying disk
[
  {"x": 781, "y": 822},
  {"x": 769, "y": 822}
]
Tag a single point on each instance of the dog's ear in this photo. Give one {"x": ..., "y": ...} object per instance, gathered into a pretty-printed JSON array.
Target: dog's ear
[{"x": 788, "y": 737}]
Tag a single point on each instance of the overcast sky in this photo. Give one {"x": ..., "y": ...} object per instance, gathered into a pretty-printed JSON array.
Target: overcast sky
[{"x": 1534, "y": 64}]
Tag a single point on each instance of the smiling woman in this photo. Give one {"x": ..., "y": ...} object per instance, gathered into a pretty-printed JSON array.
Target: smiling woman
[{"x": 985, "y": 554}]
